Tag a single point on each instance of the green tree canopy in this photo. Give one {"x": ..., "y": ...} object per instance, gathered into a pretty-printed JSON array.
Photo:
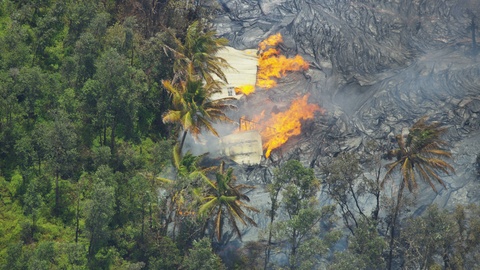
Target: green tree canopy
[{"x": 202, "y": 257}]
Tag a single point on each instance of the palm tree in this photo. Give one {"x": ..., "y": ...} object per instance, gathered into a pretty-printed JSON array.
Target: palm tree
[
  {"x": 193, "y": 106},
  {"x": 199, "y": 48},
  {"x": 224, "y": 199},
  {"x": 188, "y": 179},
  {"x": 419, "y": 152}
]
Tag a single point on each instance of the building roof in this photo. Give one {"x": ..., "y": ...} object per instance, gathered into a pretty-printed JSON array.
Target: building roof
[{"x": 243, "y": 70}]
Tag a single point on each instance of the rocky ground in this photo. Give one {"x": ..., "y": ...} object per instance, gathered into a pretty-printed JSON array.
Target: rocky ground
[{"x": 376, "y": 67}]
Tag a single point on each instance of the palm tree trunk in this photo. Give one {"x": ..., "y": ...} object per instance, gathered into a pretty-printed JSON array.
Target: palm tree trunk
[
  {"x": 394, "y": 223},
  {"x": 183, "y": 141}
]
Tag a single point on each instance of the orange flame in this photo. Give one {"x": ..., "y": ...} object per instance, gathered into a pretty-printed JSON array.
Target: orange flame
[
  {"x": 245, "y": 89},
  {"x": 277, "y": 129},
  {"x": 273, "y": 65},
  {"x": 271, "y": 41}
]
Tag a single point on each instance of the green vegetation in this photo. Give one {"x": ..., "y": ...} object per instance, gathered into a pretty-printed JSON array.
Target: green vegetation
[
  {"x": 297, "y": 235},
  {"x": 93, "y": 98},
  {"x": 224, "y": 198},
  {"x": 82, "y": 138}
]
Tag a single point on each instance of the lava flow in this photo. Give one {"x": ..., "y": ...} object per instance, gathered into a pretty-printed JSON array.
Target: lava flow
[{"x": 277, "y": 129}]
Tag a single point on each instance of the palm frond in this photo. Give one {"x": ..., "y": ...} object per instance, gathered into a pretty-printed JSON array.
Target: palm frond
[
  {"x": 427, "y": 175},
  {"x": 208, "y": 205},
  {"x": 249, "y": 208},
  {"x": 232, "y": 221},
  {"x": 218, "y": 224},
  {"x": 438, "y": 152},
  {"x": 440, "y": 164},
  {"x": 421, "y": 152},
  {"x": 187, "y": 121},
  {"x": 236, "y": 212},
  {"x": 207, "y": 125},
  {"x": 390, "y": 168},
  {"x": 171, "y": 116},
  {"x": 177, "y": 158},
  {"x": 164, "y": 180},
  {"x": 435, "y": 175}
]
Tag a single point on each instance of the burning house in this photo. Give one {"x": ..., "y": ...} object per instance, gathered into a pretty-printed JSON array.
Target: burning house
[
  {"x": 243, "y": 73},
  {"x": 244, "y": 147},
  {"x": 266, "y": 130}
]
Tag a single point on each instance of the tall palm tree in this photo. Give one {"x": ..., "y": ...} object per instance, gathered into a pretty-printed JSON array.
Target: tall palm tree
[
  {"x": 199, "y": 48},
  {"x": 224, "y": 198},
  {"x": 419, "y": 152},
  {"x": 193, "y": 106}
]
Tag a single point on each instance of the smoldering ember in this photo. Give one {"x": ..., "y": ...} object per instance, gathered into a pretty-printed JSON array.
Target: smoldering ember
[{"x": 240, "y": 134}]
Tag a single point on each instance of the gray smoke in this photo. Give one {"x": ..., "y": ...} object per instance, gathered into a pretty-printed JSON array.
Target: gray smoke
[{"x": 376, "y": 67}]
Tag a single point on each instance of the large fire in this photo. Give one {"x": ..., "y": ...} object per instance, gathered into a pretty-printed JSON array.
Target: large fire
[
  {"x": 272, "y": 65},
  {"x": 271, "y": 41},
  {"x": 279, "y": 127}
]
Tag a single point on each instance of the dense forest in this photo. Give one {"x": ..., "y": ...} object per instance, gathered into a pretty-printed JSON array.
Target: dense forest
[{"x": 96, "y": 100}]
